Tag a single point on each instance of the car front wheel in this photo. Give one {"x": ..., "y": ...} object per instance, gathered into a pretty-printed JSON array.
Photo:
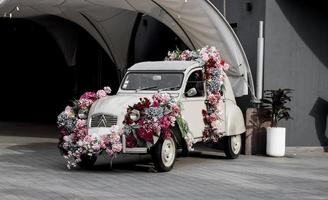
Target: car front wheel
[
  {"x": 163, "y": 154},
  {"x": 232, "y": 146}
]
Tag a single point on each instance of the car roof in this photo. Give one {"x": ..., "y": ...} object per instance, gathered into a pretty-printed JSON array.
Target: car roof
[{"x": 164, "y": 66}]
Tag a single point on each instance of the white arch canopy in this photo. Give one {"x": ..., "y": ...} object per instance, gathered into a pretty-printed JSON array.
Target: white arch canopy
[{"x": 197, "y": 22}]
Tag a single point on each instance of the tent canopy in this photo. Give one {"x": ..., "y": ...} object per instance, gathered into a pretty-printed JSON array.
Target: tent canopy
[{"x": 197, "y": 23}]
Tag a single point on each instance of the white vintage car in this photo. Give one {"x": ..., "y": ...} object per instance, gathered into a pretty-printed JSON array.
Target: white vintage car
[{"x": 180, "y": 79}]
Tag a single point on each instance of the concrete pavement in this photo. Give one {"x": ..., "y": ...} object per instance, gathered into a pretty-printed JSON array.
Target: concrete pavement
[{"x": 31, "y": 168}]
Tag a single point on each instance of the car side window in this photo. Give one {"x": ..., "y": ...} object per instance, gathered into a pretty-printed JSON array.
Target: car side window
[{"x": 195, "y": 85}]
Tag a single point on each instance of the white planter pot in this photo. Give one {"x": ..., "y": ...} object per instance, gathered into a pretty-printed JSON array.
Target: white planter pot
[{"x": 276, "y": 141}]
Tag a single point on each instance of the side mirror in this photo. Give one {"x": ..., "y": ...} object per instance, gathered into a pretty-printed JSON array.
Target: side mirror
[{"x": 191, "y": 92}]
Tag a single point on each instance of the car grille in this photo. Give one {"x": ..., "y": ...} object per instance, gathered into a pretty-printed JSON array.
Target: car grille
[{"x": 102, "y": 120}]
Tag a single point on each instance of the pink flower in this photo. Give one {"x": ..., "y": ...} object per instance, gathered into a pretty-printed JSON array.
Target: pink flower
[
  {"x": 109, "y": 152},
  {"x": 155, "y": 103},
  {"x": 185, "y": 55},
  {"x": 88, "y": 139},
  {"x": 101, "y": 94},
  {"x": 117, "y": 147},
  {"x": 80, "y": 133},
  {"x": 172, "y": 119},
  {"x": 205, "y": 57},
  {"x": 68, "y": 110},
  {"x": 167, "y": 134},
  {"x": 105, "y": 140},
  {"x": 67, "y": 138},
  {"x": 175, "y": 108},
  {"x": 223, "y": 65},
  {"x": 165, "y": 122},
  {"x": 96, "y": 147},
  {"x": 107, "y": 89},
  {"x": 85, "y": 103},
  {"x": 165, "y": 98},
  {"x": 131, "y": 141},
  {"x": 212, "y": 117},
  {"x": 89, "y": 95},
  {"x": 114, "y": 138},
  {"x": 144, "y": 134},
  {"x": 80, "y": 123},
  {"x": 213, "y": 99}
]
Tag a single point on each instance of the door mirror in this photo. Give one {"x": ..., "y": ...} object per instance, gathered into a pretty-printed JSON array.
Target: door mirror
[{"x": 191, "y": 92}]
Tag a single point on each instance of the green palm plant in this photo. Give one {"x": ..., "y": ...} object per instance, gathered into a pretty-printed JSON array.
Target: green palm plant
[{"x": 274, "y": 104}]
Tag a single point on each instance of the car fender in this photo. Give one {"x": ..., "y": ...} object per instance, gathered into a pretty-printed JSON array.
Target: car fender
[{"x": 235, "y": 123}]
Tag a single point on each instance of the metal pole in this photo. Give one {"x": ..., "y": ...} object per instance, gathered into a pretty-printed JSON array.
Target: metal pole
[
  {"x": 260, "y": 58},
  {"x": 225, "y": 8}
]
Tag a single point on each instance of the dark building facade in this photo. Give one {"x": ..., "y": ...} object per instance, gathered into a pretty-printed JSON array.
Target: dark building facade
[{"x": 295, "y": 57}]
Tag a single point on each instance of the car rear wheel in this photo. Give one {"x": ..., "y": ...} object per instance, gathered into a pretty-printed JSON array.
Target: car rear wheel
[
  {"x": 232, "y": 146},
  {"x": 163, "y": 154}
]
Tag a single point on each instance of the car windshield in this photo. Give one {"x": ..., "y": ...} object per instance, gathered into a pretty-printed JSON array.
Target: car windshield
[{"x": 152, "y": 81}]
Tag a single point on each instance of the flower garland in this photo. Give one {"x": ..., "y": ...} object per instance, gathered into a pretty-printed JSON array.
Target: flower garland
[
  {"x": 74, "y": 140},
  {"x": 213, "y": 66},
  {"x": 148, "y": 119}
]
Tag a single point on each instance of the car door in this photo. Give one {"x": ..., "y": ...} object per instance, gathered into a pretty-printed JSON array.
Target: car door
[{"x": 193, "y": 104}]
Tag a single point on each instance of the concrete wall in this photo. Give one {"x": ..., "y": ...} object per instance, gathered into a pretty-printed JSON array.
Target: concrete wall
[
  {"x": 296, "y": 57},
  {"x": 244, "y": 15},
  {"x": 296, "y": 47},
  {"x": 245, "y": 23}
]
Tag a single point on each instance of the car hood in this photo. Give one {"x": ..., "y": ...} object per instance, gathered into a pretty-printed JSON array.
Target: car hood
[{"x": 116, "y": 105}]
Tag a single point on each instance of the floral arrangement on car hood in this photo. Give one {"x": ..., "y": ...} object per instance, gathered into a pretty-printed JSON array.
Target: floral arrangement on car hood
[
  {"x": 74, "y": 140},
  {"x": 148, "y": 120},
  {"x": 213, "y": 66},
  {"x": 144, "y": 123}
]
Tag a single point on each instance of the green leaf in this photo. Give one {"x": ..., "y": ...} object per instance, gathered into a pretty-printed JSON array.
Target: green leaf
[{"x": 183, "y": 126}]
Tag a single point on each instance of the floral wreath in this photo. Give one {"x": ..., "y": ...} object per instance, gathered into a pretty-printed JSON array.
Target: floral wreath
[
  {"x": 74, "y": 140},
  {"x": 213, "y": 67},
  {"x": 148, "y": 120}
]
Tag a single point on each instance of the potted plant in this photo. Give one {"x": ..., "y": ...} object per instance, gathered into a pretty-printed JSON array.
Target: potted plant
[{"x": 274, "y": 104}]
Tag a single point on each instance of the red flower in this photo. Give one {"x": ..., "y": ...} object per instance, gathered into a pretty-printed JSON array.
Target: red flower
[
  {"x": 204, "y": 113},
  {"x": 89, "y": 95},
  {"x": 210, "y": 63},
  {"x": 131, "y": 141},
  {"x": 156, "y": 104},
  {"x": 145, "y": 134},
  {"x": 166, "y": 133},
  {"x": 127, "y": 119}
]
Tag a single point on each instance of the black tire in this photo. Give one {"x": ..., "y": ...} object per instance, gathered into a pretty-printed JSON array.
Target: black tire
[
  {"x": 231, "y": 148},
  {"x": 87, "y": 162},
  {"x": 164, "y": 162},
  {"x": 184, "y": 150}
]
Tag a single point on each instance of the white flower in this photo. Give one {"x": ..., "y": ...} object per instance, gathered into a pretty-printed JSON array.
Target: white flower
[{"x": 107, "y": 89}]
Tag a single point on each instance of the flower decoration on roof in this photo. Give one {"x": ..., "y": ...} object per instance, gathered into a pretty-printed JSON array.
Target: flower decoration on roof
[{"x": 213, "y": 67}]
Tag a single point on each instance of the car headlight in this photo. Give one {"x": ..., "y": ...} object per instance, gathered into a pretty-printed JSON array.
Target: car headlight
[{"x": 135, "y": 115}]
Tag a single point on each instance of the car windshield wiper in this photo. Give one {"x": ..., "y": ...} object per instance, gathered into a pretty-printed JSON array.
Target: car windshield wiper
[
  {"x": 169, "y": 88},
  {"x": 147, "y": 88}
]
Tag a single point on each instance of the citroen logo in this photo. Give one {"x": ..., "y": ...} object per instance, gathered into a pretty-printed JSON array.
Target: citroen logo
[{"x": 102, "y": 121}]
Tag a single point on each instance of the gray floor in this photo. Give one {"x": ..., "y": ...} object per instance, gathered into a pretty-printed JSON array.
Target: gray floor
[{"x": 31, "y": 168}]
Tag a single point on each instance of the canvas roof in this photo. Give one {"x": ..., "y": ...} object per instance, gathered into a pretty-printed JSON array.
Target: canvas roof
[{"x": 197, "y": 22}]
